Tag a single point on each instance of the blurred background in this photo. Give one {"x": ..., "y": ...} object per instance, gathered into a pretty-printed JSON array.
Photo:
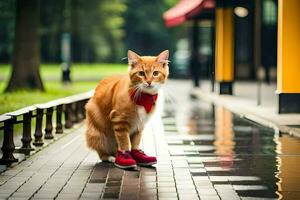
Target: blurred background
[
  {"x": 56, "y": 48},
  {"x": 78, "y": 41},
  {"x": 101, "y": 31}
]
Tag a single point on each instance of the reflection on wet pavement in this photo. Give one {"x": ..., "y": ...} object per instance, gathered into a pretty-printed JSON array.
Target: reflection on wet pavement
[{"x": 241, "y": 159}]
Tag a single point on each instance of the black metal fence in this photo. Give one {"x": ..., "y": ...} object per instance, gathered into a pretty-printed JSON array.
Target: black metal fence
[{"x": 69, "y": 110}]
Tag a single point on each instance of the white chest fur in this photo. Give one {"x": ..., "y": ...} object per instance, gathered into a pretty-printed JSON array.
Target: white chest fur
[
  {"x": 142, "y": 115},
  {"x": 141, "y": 119}
]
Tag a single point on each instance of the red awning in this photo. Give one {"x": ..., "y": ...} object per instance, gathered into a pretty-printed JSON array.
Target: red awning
[{"x": 186, "y": 9}]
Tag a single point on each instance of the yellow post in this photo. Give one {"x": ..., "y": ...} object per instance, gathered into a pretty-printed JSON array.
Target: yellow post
[
  {"x": 288, "y": 58},
  {"x": 224, "y": 48}
]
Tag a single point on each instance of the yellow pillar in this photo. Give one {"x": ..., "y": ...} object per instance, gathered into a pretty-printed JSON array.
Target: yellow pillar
[
  {"x": 288, "y": 58},
  {"x": 224, "y": 143},
  {"x": 224, "y": 48}
]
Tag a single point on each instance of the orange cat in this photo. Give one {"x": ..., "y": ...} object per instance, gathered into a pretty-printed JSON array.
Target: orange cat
[{"x": 121, "y": 106}]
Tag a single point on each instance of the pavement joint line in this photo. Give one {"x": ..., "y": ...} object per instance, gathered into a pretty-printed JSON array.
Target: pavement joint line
[
  {"x": 162, "y": 137},
  {"x": 71, "y": 175},
  {"x": 247, "y": 114},
  {"x": 20, "y": 185},
  {"x": 156, "y": 176},
  {"x": 38, "y": 150},
  {"x": 70, "y": 142},
  {"x": 156, "y": 153},
  {"x": 52, "y": 173},
  {"x": 106, "y": 181},
  {"x": 35, "y": 155},
  {"x": 179, "y": 173},
  {"x": 32, "y": 196},
  {"x": 87, "y": 180},
  {"x": 194, "y": 184}
]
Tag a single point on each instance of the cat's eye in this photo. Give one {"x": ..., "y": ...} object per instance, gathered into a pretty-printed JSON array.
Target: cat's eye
[
  {"x": 155, "y": 73},
  {"x": 141, "y": 73}
]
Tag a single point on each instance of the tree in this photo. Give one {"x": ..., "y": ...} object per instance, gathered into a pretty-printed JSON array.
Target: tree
[
  {"x": 97, "y": 27},
  {"x": 26, "y": 57},
  {"x": 144, "y": 27},
  {"x": 7, "y": 21}
]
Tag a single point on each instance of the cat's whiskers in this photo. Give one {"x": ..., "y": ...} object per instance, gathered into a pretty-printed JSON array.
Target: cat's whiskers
[{"x": 137, "y": 94}]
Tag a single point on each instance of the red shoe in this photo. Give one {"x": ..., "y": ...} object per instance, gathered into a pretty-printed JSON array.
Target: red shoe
[
  {"x": 141, "y": 158},
  {"x": 124, "y": 160}
]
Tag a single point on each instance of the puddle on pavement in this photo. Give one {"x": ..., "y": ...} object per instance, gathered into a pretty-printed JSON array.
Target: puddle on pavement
[{"x": 254, "y": 160}]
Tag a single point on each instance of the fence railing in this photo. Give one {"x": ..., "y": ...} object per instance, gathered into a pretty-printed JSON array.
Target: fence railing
[{"x": 71, "y": 109}]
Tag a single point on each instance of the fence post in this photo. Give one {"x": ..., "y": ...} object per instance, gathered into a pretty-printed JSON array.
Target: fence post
[
  {"x": 59, "y": 128},
  {"x": 49, "y": 126},
  {"x": 83, "y": 108},
  {"x": 26, "y": 138},
  {"x": 38, "y": 140},
  {"x": 8, "y": 146},
  {"x": 68, "y": 116},
  {"x": 74, "y": 113},
  {"x": 79, "y": 114}
]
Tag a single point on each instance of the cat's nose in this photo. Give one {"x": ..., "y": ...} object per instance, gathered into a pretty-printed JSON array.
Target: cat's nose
[{"x": 149, "y": 83}]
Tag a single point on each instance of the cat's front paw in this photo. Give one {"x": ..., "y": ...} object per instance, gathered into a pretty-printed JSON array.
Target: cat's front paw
[
  {"x": 142, "y": 159},
  {"x": 124, "y": 160}
]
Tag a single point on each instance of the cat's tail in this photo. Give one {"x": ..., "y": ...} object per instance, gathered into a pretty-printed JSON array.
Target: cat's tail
[{"x": 111, "y": 159}]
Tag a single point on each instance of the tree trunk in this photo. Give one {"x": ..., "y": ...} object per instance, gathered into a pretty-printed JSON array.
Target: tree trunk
[{"x": 26, "y": 55}]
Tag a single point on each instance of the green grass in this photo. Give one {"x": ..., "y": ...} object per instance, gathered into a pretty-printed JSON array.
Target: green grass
[
  {"x": 86, "y": 72},
  {"x": 85, "y": 77},
  {"x": 15, "y": 100}
]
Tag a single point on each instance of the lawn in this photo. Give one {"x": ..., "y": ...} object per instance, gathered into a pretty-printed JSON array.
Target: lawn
[
  {"x": 85, "y": 77},
  {"x": 86, "y": 72}
]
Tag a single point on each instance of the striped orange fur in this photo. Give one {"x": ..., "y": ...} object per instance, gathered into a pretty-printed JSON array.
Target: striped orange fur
[{"x": 113, "y": 120}]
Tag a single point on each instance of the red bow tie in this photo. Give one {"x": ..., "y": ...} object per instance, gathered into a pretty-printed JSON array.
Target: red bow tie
[{"x": 144, "y": 99}]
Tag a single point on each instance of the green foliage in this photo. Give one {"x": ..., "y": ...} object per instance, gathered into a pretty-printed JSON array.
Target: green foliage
[
  {"x": 109, "y": 34},
  {"x": 170, "y": 3},
  {"x": 145, "y": 30},
  {"x": 96, "y": 28},
  {"x": 85, "y": 78},
  {"x": 101, "y": 31},
  {"x": 7, "y": 26}
]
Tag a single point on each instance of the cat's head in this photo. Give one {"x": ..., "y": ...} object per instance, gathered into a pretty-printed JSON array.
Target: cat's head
[{"x": 148, "y": 73}]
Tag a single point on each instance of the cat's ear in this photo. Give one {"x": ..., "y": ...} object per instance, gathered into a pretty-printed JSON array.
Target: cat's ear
[
  {"x": 133, "y": 58},
  {"x": 163, "y": 57}
]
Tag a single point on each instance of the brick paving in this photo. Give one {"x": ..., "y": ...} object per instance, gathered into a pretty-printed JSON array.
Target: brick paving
[
  {"x": 203, "y": 152},
  {"x": 66, "y": 169}
]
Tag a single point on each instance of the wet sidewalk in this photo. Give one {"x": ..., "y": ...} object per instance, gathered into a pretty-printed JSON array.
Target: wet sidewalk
[
  {"x": 203, "y": 151},
  {"x": 244, "y": 102}
]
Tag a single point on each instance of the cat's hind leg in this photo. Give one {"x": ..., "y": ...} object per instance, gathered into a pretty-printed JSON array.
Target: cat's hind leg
[
  {"x": 95, "y": 140},
  {"x": 107, "y": 157}
]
